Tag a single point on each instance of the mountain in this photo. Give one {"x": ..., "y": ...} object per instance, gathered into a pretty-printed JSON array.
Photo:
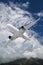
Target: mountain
[{"x": 23, "y": 61}]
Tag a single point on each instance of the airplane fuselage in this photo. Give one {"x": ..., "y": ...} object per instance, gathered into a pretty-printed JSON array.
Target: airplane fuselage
[{"x": 18, "y": 34}]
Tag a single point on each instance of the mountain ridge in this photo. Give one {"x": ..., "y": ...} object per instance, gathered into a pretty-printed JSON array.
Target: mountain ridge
[{"x": 24, "y": 61}]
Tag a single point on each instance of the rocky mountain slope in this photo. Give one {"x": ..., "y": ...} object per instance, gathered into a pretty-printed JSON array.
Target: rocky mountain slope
[{"x": 23, "y": 61}]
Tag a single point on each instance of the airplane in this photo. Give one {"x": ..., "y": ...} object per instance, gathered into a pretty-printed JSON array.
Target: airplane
[{"x": 20, "y": 33}]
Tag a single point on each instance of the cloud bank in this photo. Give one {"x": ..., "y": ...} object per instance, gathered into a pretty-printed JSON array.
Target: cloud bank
[{"x": 17, "y": 49}]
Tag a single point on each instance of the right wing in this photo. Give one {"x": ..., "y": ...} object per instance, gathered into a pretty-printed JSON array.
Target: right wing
[
  {"x": 26, "y": 27},
  {"x": 31, "y": 24}
]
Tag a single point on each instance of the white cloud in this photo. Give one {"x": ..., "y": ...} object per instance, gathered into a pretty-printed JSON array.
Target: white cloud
[
  {"x": 16, "y": 49},
  {"x": 40, "y": 14},
  {"x": 25, "y": 4},
  {"x": 21, "y": 5}
]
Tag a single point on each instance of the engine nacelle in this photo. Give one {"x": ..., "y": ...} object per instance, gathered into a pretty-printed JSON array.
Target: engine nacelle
[{"x": 10, "y": 37}]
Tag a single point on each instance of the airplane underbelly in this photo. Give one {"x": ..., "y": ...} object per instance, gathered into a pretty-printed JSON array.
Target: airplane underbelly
[{"x": 16, "y": 35}]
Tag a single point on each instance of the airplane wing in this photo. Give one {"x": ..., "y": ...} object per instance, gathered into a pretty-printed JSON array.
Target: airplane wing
[{"x": 31, "y": 24}]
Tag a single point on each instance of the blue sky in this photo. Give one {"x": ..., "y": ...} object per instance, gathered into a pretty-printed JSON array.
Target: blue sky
[
  {"x": 36, "y": 5},
  {"x": 17, "y": 13}
]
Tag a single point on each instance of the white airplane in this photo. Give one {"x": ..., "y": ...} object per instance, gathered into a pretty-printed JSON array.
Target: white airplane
[{"x": 20, "y": 33}]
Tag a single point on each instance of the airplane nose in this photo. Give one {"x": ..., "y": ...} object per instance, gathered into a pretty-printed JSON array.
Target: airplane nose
[{"x": 9, "y": 37}]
